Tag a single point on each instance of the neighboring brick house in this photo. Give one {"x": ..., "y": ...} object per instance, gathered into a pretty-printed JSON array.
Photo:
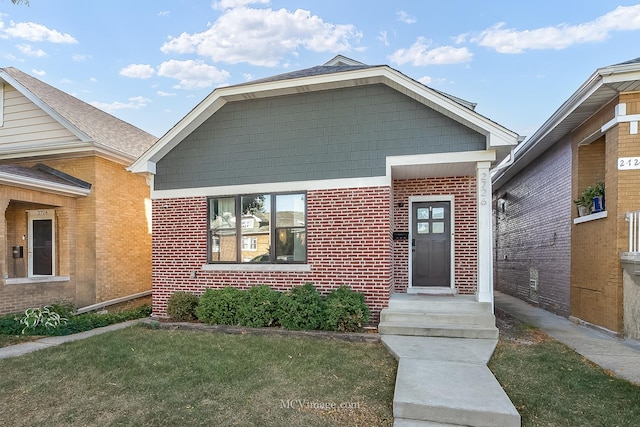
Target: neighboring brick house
[
  {"x": 75, "y": 224},
  {"x": 336, "y": 157},
  {"x": 546, "y": 253}
]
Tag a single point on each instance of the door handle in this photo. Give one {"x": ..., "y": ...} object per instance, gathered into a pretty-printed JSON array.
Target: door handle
[{"x": 413, "y": 242}]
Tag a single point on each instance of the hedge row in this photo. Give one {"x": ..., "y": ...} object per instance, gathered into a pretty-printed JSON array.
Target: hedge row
[{"x": 301, "y": 308}]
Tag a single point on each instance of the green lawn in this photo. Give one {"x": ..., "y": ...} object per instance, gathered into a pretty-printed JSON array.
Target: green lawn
[
  {"x": 144, "y": 377},
  {"x": 552, "y": 385}
]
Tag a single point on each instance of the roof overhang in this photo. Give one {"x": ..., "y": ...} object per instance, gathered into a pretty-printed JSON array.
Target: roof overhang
[
  {"x": 437, "y": 165},
  {"x": 42, "y": 185},
  {"x": 498, "y": 138},
  {"x": 598, "y": 91}
]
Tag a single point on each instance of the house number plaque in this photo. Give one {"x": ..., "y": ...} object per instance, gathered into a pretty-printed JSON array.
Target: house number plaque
[{"x": 628, "y": 163}]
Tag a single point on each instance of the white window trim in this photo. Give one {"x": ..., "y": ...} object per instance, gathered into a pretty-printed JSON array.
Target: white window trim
[
  {"x": 439, "y": 198},
  {"x": 38, "y": 214}
]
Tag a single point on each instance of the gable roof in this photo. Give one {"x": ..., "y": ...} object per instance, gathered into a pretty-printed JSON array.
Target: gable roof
[
  {"x": 345, "y": 73},
  {"x": 604, "y": 85},
  {"x": 103, "y": 131}
]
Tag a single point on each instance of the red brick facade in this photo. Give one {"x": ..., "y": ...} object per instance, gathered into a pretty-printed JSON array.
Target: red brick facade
[
  {"x": 348, "y": 243},
  {"x": 464, "y": 215}
]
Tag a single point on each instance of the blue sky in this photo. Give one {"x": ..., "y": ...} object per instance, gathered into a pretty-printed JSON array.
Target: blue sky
[{"x": 149, "y": 62}]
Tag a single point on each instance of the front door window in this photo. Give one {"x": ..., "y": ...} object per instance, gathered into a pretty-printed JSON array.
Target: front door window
[{"x": 431, "y": 244}]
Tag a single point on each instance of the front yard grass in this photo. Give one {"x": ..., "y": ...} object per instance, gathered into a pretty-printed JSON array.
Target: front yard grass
[
  {"x": 552, "y": 385},
  {"x": 143, "y": 377}
]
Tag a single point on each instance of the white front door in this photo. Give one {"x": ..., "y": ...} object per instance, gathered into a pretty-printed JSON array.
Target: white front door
[{"x": 42, "y": 237}]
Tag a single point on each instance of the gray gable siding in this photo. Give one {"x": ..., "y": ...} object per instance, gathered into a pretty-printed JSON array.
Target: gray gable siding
[{"x": 344, "y": 133}]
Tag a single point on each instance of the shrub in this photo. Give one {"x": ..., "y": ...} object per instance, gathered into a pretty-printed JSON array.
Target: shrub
[
  {"x": 260, "y": 307},
  {"x": 45, "y": 316},
  {"x": 302, "y": 308},
  {"x": 181, "y": 306},
  {"x": 220, "y": 306},
  {"x": 64, "y": 308},
  {"x": 345, "y": 310}
]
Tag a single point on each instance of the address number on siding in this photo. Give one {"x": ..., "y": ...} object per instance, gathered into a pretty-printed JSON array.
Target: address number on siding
[{"x": 628, "y": 163}]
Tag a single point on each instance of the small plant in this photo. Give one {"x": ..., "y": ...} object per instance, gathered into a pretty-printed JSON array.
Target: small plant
[
  {"x": 220, "y": 306},
  {"x": 345, "y": 310},
  {"x": 260, "y": 307},
  {"x": 588, "y": 194},
  {"x": 302, "y": 308},
  {"x": 181, "y": 306},
  {"x": 45, "y": 316}
]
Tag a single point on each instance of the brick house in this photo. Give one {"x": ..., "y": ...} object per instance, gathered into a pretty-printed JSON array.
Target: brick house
[
  {"x": 580, "y": 267},
  {"x": 74, "y": 223},
  {"x": 363, "y": 176}
]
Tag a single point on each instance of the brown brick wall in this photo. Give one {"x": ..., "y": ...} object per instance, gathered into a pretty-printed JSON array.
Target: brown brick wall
[{"x": 123, "y": 239}]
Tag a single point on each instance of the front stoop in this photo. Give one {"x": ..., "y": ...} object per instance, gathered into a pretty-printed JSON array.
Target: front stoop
[
  {"x": 443, "y": 345},
  {"x": 438, "y": 316}
]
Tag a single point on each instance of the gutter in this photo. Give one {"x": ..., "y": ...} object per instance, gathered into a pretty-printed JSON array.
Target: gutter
[{"x": 104, "y": 304}]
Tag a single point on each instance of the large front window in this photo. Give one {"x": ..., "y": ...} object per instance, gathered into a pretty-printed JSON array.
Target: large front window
[{"x": 271, "y": 229}]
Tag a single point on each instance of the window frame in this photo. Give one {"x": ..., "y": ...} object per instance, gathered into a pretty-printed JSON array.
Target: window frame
[{"x": 238, "y": 228}]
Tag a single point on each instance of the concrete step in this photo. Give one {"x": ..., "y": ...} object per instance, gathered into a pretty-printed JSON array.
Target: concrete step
[
  {"x": 402, "y": 422},
  {"x": 438, "y": 317},
  {"x": 437, "y": 330},
  {"x": 464, "y": 303},
  {"x": 451, "y": 393}
]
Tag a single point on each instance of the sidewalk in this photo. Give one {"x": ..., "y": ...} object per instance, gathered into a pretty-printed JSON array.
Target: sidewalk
[
  {"x": 622, "y": 357},
  {"x": 28, "y": 347}
]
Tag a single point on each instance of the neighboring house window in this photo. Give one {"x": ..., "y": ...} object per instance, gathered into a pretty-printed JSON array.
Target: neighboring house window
[
  {"x": 272, "y": 228},
  {"x": 249, "y": 244}
]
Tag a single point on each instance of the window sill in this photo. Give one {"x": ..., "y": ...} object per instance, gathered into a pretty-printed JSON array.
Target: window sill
[
  {"x": 592, "y": 217},
  {"x": 40, "y": 279},
  {"x": 257, "y": 267}
]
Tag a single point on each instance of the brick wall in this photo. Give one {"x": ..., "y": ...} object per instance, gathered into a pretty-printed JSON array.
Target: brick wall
[
  {"x": 348, "y": 243},
  {"x": 466, "y": 237},
  {"x": 532, "y": 232}
]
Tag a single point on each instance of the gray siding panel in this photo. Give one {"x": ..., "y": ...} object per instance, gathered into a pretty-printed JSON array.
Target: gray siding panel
[
  {"x": 533, "y": 234},
  {"x": 343, "y": 133}
]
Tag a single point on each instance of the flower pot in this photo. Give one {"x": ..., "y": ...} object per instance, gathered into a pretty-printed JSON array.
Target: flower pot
[
  {"x": 598, "y": 204},
  {"x": 583, "y": 211}
]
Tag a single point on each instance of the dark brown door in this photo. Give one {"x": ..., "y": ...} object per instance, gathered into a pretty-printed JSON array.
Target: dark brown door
[{"x": 431, "y": 244}]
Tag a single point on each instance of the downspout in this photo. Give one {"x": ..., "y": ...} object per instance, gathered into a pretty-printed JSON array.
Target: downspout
[
  {"x": 512, "y": 157},
  {"x": 104, "y": 304}
]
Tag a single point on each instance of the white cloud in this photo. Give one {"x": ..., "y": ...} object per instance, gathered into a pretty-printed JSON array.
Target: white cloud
[
  {"x": 133, "y": 103},
  {"x": 39, "y": 73},
  {"x": 164, "y": 13},
  {"x": 138, "y": 71},
  {"x": 509, "y": 40},
  {"x": 80, "y": 57},
  {"x": 192, "y": 74},
  {"x": 419, "y": 54},
  {"x": 233, "y": 4},
  {"x": 247, "y": 77},
  {"x": 405, "y": 17},
  {"x": 425, "y": 80},
  {"x": 29, "y": 51},
  {"x": 382, "y": 37},
  {"x": 264, "y": 36},
  {"x": 93, "y": 80},
  {"x": 35, "y": 33},
  {"x": 163, "y": 93}
]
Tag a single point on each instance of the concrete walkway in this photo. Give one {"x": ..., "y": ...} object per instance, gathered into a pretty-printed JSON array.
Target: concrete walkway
[
  {"x": 622, "y": 357},
  {"x": 446, "y": 382},
  {"x": 28, "y": 347}
]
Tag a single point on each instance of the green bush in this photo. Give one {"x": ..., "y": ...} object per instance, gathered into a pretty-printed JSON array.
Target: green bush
[
  {"x": 10, "y": 325},
  {"x": 38, "y": 318},
  {"x": 302, "y": 308},
  {"x": 260, "y": 307},
  {"x": 221, "y": 306},
  {"x": 181, "y": 306},
  {"x": 345, "y": 310}
]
